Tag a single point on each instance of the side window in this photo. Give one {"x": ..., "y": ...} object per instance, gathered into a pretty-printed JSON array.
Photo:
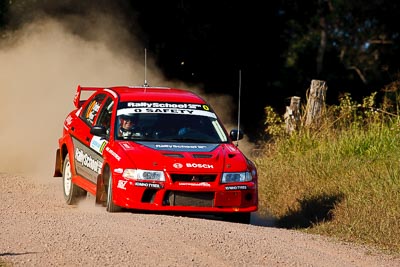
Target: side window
[
  {"x": 91, "y": 110},
  {"x": 105, "y": 115}
]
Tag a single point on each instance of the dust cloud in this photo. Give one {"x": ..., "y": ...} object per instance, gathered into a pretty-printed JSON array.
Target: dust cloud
[
  {"x": 40, "y": 68},
  {"x": 41, "y": 65}
]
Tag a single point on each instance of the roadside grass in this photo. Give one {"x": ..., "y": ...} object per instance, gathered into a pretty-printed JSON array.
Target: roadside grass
[{"x": 341, "y": 180}]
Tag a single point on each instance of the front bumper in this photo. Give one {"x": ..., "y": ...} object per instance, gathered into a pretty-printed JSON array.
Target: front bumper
[{"x": 210, "y": 197}]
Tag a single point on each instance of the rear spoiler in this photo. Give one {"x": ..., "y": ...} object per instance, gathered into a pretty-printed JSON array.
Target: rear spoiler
[{"x": 79, "y": 99}]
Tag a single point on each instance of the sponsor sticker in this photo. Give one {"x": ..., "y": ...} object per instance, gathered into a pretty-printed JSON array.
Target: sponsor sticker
[
  {"x": 149, "y": 185},
  {"x": 92, "y": 111},
  {"x": 166, "y": 108},
  {"x": 68, "y": 120},
  {"x": 97, "y": 144},
  {"x": 187, "y": 147},
  {"x": 236, "y": 187},
  {"x": 118, "y": 170},
  {"x": 126, "y": 145},
  {"x": 163, "y": 105},
  {"x": 87, "y": 161},
  {"x": 114, "y": 154},
  {"x": 175, "y": 146},
  {"x": 121, "y": 184}
]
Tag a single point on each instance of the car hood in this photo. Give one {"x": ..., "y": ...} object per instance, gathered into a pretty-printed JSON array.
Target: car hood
[{"x": 184, "y": 157}]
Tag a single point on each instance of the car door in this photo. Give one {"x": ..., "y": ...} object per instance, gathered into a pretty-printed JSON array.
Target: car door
[{"x": 88, "y": 159}]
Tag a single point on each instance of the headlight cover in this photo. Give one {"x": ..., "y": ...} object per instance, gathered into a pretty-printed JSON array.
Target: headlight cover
[
  {"x": 149, "y": 175},
  {"x": 235, "y": 177}
]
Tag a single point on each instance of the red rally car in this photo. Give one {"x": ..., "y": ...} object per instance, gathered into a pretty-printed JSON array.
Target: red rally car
[{"x": 154, "y": 149}]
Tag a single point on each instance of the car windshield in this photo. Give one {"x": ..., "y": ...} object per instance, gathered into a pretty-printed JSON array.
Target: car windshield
[{"x": 168, "y": 125}]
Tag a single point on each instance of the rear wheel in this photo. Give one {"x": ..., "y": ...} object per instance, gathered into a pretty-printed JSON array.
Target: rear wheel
[
  {"x": 72, "y": 192},
  {"x": 110, "y": 206}
]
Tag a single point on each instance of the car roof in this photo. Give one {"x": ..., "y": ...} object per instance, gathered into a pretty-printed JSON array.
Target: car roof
[{"x": 164, "y": 94}]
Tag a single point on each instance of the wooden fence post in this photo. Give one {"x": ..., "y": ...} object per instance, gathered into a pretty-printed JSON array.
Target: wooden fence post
[
  {"x": 292, "y": 115},
  {"x": 315, "y": 103}
]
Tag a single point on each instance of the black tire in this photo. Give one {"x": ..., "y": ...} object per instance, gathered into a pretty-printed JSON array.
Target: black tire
[
  {"x": 242, "y": 217},
  {"x": 110, "y": 206},
  {"x": 72, "y": 192}
]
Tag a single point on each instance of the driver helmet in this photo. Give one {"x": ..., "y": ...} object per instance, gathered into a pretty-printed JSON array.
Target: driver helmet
[{"x": 127, "y": 125}]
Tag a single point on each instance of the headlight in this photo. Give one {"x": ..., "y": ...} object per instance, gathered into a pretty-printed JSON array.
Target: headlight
[
  {"x": 136, "y": 174},
  {"x": 234, "y": 177}
]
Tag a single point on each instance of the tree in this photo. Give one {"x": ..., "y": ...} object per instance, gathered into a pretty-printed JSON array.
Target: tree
[
  {"x": 338, "y": 40},
  {"x": 3, "y": 13}
]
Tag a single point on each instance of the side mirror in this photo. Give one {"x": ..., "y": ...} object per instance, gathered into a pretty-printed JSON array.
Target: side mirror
[
  {"x": 98, "y": 130},
  {"x": 236, "y": 134}
]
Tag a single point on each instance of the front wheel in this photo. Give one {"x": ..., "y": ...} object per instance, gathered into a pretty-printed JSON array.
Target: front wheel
[
  {"x": 72, "y": 192},
  {"x": 110, "y": 206}
]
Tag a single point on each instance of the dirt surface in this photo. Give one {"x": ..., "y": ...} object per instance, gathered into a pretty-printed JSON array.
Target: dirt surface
[{"x": 39, "y": 229}]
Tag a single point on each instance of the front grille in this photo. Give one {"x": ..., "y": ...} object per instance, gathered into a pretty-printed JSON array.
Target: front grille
[
  {"x": 192, "y": 199},
  {"x": 193, "y": 177}
]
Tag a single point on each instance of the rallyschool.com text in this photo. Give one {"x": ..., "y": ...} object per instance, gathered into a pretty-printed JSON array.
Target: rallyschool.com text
[{"x": 181, "y": 146}]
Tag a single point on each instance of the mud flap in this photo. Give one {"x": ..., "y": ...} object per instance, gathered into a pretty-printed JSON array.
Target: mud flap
[
  {"x": 101, "y": 195},
  {"x": 57, "y": 167}
]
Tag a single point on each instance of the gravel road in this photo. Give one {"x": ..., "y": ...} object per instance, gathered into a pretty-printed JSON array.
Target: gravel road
[{"x": 39, "y": 229}]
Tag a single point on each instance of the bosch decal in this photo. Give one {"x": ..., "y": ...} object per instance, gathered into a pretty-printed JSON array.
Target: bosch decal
[
  {"x": 199, "y": 166},
  {"x": 177, "y": 165}
]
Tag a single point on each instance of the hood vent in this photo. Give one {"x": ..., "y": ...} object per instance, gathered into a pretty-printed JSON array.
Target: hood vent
[
  {"x": 196, "y": 156},
  {"x": 202, "y": 156},
  {"x": 173, "y": 155}
]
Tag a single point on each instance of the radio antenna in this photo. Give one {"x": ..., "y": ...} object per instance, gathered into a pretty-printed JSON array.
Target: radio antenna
[
  {"x": 240, "y": 89},
  {"x": 145, "y": 68}
]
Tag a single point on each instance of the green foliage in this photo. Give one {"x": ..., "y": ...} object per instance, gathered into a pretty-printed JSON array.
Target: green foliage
[
  {"x": 273, "y": 122},
  {"x": 341, "y": 180}
]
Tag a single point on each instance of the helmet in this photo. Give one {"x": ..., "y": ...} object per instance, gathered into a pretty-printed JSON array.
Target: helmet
[
  {"x": 127, "y": 130},
  {"x": 129, "y": 117}
]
